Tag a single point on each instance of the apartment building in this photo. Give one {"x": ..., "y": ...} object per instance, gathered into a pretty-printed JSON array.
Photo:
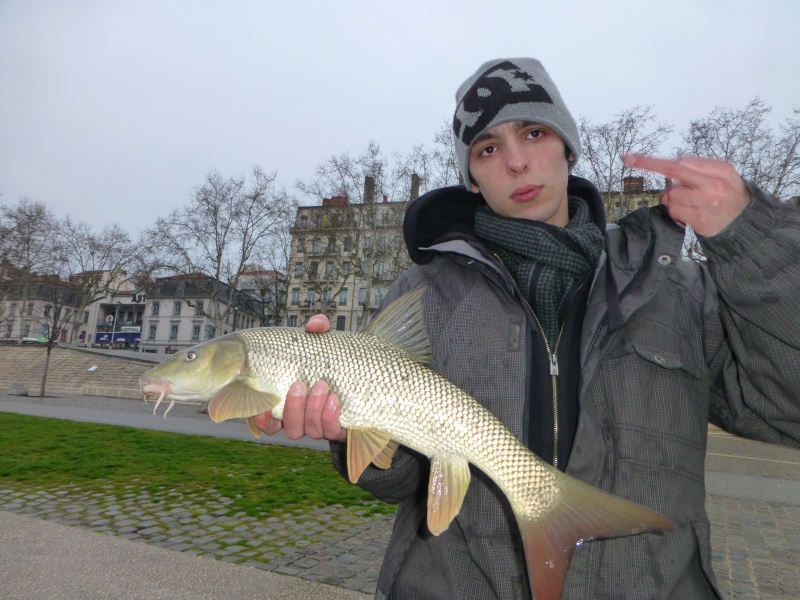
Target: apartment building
[
  {"x": 344, "y": 258},
  {"x": 32, "y": 308},
  {"x": 184, "y": 310}
]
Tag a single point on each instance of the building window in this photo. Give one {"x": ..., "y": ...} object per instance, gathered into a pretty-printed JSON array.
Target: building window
[
  {"x": 85, "y": 317},
  {"x": 314, "y": 270},
  {"x": 195, "y": 332},
  {"x": 173, "y": 332},
  {"x": 329, "y": 269},
  {"x": 152, "y": 333},
  {"x": 30, "y": 308},
  {"x": 346, "y": 268},
  {"x": 328, "y": 294},
  {"x": 295, "y": 296},
  {"x": 381, "y": 271},
  {"x": 343, "y": 297},
  {"x": 176, "y": 308},
  {"x": 199, "y": 310},
  {"x": 315, "y": 246},
  {"x": 340, "y": 322},
  {"x": 210, "y": 332},
  {"x": 303, "y": 220},
  {"x": 346, "y": 244},
  {"x": 301, "y": 245},
  {"x": 377, "y": 298},
  {"x": 26, "y": 330},
  {"x": 331, "y": 244},
  {"x": 298, "y": 270},
  {"x": 367, "y": 242},
  {"x": 382, "y": 243},
  {"x": 12, "y": 310},
  {"x": 312, "y": 297},
  {"x": 292, "y": 320},
  {"x": 362, "y": 296},
  {"x": 156, "y": 308},
  {"x": 47, "y": 310}
]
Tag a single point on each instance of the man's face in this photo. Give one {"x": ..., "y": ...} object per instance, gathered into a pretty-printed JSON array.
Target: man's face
[{"x": 522, "y": 171}]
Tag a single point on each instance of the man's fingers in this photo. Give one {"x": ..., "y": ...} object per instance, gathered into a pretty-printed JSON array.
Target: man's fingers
[
  {"x": 294, "y": 412},
  {"x": 331, "y": 427},
  {"x": 317, "y": 400},
  {"x": 267, "y": 424},
  {"x": 318, "y": 324},
  {"x": 678, "y": 170}
]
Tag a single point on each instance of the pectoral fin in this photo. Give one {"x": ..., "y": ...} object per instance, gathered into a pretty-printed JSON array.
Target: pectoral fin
[
  {"x": 448, "y": 485},
  {"x": 239, "y": 399},
  {"x": 364, "y": 446}
]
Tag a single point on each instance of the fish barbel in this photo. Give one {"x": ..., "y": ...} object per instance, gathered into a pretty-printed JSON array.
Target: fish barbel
[{"x": 388, "y": 397}]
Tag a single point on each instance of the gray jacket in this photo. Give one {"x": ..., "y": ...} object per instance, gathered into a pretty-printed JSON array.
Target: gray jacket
[{"x": 718, "y": 342}]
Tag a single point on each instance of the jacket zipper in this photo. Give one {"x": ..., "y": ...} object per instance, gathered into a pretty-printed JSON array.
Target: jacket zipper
[
  {"x": 553, "y": 356},
  {"x": 553, "y": 359}
]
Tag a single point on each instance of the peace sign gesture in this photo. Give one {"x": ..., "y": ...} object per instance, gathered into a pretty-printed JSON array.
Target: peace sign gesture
[{"x": 706, "y": 194}]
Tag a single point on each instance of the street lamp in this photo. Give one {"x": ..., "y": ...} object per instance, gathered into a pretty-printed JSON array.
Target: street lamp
[
  {"x": 114, "y": 328},
  {"x": 235, "y": 314}
]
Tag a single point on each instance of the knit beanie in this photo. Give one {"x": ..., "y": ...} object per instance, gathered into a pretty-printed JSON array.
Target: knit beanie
[{"x": 505, "y": 90}]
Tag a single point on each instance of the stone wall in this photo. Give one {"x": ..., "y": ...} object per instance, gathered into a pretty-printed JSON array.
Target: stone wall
[{"x": 68, "y": 372}]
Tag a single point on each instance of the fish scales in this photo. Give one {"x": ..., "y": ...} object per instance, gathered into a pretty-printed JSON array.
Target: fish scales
[{"x": 379, "y": 387}]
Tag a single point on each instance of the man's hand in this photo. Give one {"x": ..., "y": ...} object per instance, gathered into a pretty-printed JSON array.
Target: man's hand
[
  {"x": 705, "y": 194},
  {"x": 314, "y": 414}
]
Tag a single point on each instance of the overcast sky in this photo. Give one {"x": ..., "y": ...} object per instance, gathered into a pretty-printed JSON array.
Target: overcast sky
[{"x": 114, "y": 111}]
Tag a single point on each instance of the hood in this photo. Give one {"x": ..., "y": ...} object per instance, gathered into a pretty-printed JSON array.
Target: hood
[{"x": 448, "y": 213}]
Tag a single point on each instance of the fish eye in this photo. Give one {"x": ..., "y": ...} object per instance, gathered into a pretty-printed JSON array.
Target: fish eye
[{"x": 191, "y": 355}]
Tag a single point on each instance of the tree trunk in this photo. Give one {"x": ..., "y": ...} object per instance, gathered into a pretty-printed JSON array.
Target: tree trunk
[{"x": 44, "y": 375}]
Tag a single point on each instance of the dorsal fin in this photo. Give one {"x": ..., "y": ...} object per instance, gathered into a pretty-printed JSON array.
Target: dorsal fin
[{"x": 402, "y": 324}]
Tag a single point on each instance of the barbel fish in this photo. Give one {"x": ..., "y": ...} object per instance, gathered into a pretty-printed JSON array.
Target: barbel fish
[{"x": 389, "y": 397}]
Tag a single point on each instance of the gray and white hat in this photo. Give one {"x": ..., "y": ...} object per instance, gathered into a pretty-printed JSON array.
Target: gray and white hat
[{"x": 505, "y": 90}]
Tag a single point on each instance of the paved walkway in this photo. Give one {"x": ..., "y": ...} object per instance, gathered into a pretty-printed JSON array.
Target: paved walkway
[{"x": 753, "y": 503}]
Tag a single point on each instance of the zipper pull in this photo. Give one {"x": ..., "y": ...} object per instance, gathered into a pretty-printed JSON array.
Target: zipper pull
[{"x": 553, "y": 364}]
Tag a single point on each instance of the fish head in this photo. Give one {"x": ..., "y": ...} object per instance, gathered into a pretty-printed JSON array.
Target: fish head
[{"x": 197, "y": 373}]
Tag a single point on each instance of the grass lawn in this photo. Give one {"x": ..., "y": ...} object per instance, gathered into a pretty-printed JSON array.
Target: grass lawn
[{"x": 261, "y": 480}]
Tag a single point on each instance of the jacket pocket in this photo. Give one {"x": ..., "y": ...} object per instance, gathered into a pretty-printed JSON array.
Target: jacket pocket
[
  {"x": 664, "y": 358},
  {"x": 656, "y": 397}
]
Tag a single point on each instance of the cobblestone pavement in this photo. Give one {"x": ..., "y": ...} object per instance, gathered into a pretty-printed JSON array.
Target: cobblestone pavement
[{"x": 330, "y": 545}]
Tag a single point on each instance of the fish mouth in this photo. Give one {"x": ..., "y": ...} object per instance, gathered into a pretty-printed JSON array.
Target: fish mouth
[{"x": 156, "y": 389}]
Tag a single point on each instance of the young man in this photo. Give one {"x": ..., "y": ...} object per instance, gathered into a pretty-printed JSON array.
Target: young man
[{"x": 600, "y": 349}]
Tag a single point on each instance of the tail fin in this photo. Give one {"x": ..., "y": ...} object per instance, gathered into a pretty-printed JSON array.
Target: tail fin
[{"x": 581, "y": 513}]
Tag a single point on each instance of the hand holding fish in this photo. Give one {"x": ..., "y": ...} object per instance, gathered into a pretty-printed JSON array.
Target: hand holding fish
[
  {"x": 705, "y": 194},
  {"x": 314, "y": 414}
]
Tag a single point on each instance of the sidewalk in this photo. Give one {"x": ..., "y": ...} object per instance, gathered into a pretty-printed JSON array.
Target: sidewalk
[{"x": 753, "y": 504}]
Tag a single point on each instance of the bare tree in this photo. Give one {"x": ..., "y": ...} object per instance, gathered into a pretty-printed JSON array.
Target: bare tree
[
  {"x": 30, "y": 245},
  {"x": 354, "y": 240},
  {"x": 743, "y": 137},
  {"x": 96, "y": 263},
  {"x": 57, "y": 302},
  {"x": 634, "y": 130},
  {"x": 226, "y": 224},
  {"x": 435, "y": 166}
]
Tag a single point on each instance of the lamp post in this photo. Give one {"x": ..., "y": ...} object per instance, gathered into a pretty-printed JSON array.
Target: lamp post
[
  {"x": 235, "y": 314},
  {"x": 114, "y": 328}
]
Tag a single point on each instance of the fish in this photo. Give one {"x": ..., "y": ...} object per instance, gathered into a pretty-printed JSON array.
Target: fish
[{"x": 390, "y": 397}]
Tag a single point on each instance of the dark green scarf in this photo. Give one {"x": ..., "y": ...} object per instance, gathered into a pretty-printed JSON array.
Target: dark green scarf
[{"x": 546, "y": 261}]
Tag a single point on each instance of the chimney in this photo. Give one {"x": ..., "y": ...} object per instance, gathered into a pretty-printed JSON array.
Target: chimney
[
  {"x": 633, "y": 185},
  {"x": 369, "y": 189},
  {"x": 414, "y": 186},
  {"x": 335, "y": 201}
]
